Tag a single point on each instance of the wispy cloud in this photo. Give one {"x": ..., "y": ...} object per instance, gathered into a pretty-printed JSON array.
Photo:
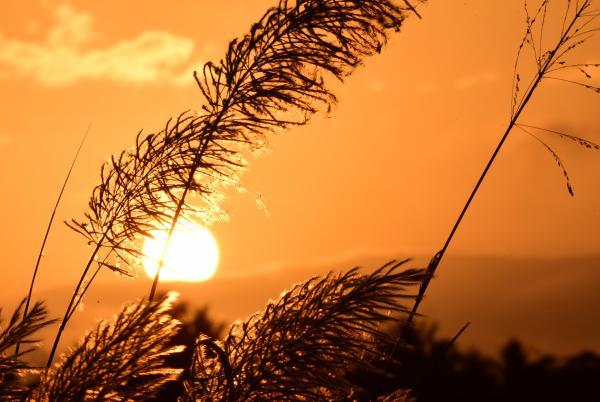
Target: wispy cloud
[{"x": 66, "y": 55}]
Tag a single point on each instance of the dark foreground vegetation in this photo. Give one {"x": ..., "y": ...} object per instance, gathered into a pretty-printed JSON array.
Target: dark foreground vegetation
[{"x": 436, "y": 371}]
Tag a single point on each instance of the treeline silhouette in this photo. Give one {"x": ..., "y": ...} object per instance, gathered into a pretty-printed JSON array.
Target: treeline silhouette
[{"x": 435, "y": 370}]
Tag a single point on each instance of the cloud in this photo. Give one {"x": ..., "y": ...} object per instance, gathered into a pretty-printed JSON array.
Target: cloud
[
  {"x": 65, "y": 56},
  {"x": 471, "y": 81}
]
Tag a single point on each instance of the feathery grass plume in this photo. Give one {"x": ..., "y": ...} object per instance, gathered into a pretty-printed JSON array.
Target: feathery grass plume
[
  {"x": 19, "y": 330},
  {"x": 270, "y": 79},
  {"x": 121, "y": 360},
  {"x": 139, "y": 187},
  {"x": 301, "y": 345},
  {"x": 274, "y": 76},
  {"x": 580, "y": 22}
]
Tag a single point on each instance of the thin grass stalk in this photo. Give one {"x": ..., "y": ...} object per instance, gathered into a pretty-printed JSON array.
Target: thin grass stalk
[
  {"x": 76, "y": 297},
  {"x": 412, "y": 8},
  {"x": 435, "y": 261},
  {"x": 67, "y": 315},
  {"x": 456, "y": 336},
  {"x": 48, "y": 227}
]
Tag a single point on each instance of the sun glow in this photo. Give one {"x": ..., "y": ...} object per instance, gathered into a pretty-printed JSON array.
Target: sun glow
[{"x": 192, "y": 256}]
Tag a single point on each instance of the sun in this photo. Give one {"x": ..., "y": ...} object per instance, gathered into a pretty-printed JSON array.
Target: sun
[{"x": 193, "y": 254}]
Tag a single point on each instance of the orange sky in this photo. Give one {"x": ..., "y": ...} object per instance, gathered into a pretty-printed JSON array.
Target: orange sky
[{"x": 386, "y": 175}]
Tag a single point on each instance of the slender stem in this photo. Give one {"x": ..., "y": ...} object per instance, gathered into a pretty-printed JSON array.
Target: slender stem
[
  {"x": 412, "y": 8},
  {"x": 435, "y": 261},
  {"x": 85, "y": 288},
  {"x": 66, "y": 317},
  {"x": 455, "y": 338},
  {"x": 47, "y": 233},
  {"x": 75, "y": 300}
]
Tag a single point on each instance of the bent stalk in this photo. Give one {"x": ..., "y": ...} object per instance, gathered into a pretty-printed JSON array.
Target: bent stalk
[{"x": 47, "y": 233}]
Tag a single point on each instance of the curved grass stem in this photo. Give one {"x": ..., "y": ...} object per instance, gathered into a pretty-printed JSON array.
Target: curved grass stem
[
  {"x": 48, "y": 227},
  {"x": 68, "y": 311},
  {"x": 435, "y": 261}
]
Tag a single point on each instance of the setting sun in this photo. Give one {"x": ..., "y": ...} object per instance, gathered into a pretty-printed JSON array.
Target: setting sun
[{"x": 193, "y": 254}]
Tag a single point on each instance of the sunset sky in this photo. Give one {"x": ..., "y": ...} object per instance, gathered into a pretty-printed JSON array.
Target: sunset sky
[{"x": 383, "y": 176}]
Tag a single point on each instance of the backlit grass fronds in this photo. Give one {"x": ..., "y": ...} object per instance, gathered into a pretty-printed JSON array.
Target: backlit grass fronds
[
  {"x": 301, "y": 345},
  {"x": 121, "y": 360},
  {"x": 140, "y": 188},
  {"x": 271, "y": 78},
  {"x": 18, "y": 330}
]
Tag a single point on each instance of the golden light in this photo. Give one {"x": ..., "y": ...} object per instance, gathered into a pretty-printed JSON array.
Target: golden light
[{"x": 192, "y": 256}]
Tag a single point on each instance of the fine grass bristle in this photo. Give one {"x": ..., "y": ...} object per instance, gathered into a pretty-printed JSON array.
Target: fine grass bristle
[
  {"x": 120, "y": 360},
  {"x": 301, "y": 346},
  {"x": 19, "y": 331}
]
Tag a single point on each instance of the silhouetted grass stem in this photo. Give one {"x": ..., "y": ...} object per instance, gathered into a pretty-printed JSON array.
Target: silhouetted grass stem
[
  {"x": 435, "y": 261},
  {"x": 67, "y": 315},
  {"x": 48, "y": 227}
]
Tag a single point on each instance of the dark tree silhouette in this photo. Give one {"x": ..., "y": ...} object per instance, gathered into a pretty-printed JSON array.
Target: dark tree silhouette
[{"x": 436, "y": 373}]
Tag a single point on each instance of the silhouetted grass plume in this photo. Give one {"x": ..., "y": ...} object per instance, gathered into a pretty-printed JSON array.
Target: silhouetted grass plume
[
  {"x": 19, "y": 330},
  {"x": 120, "y": 360},
  {"x": 272, "y": 78},
  {"x": 302, "y": 345}
]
